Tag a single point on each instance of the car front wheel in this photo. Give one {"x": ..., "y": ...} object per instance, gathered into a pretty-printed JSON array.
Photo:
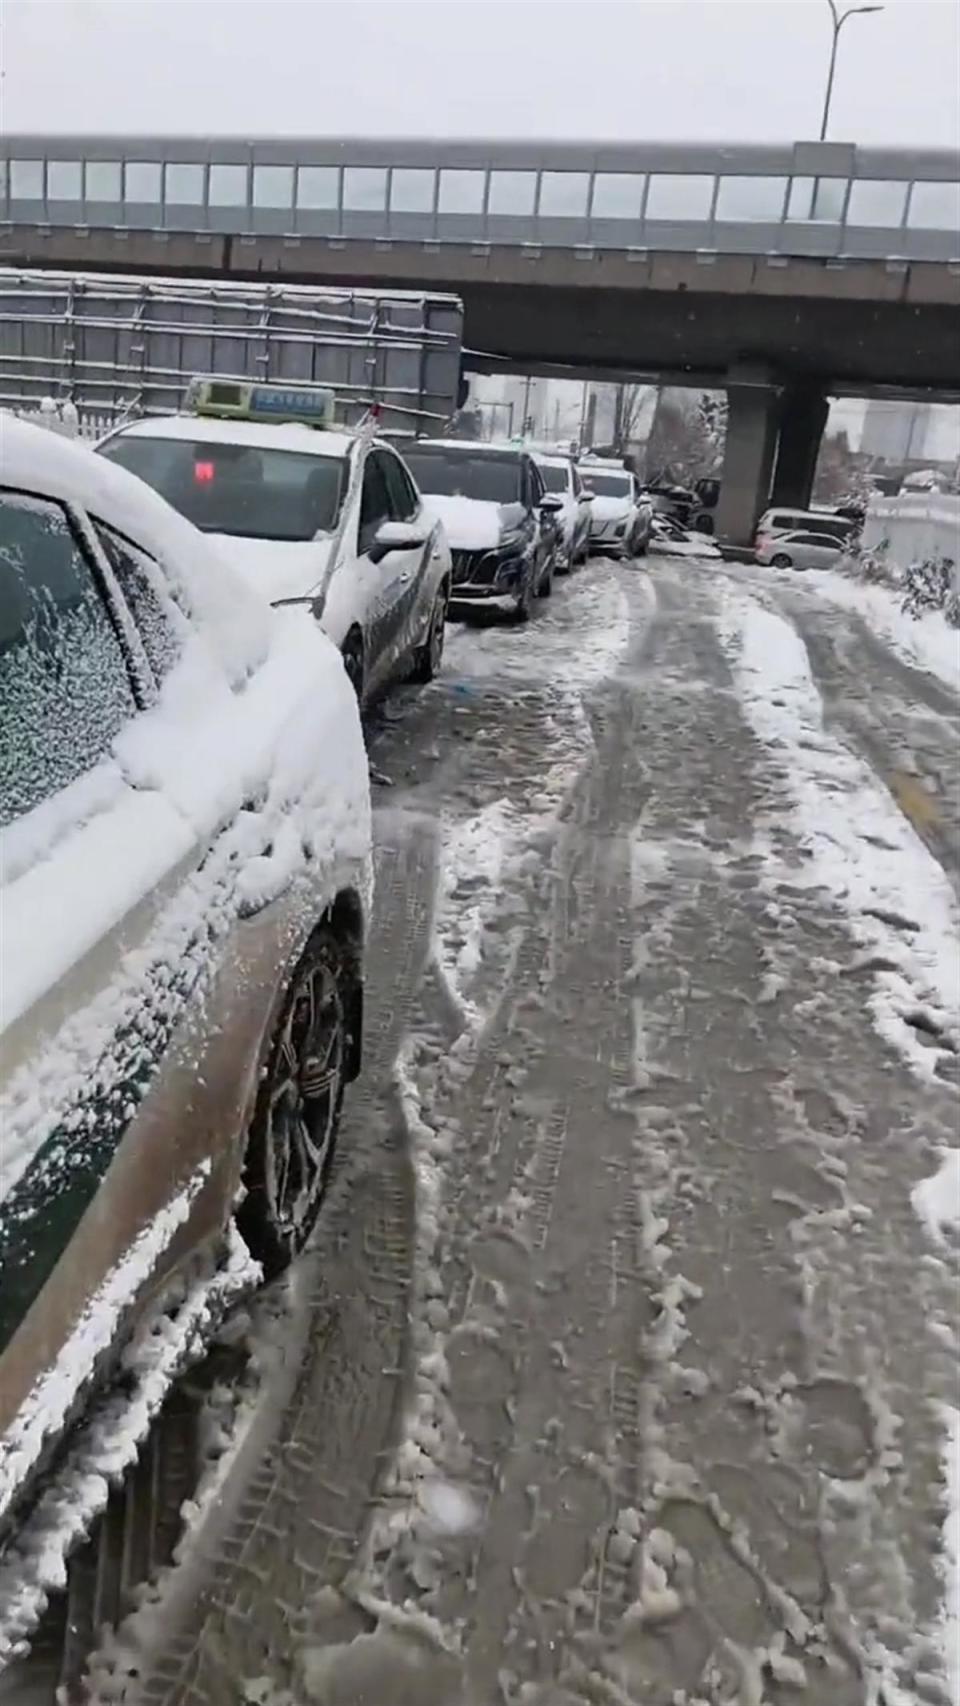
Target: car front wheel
[
  {"x": 428, "y": 658},
  {"x": 781, "y": 560},
  {"x": 297, "y": 1115},
  {"x": 353, "y": 663}
]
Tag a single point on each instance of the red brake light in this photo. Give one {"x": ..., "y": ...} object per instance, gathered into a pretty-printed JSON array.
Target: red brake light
[{"x": 203, "y": 473}]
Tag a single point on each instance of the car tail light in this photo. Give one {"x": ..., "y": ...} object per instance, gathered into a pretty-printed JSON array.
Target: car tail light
[{"x": 203, "y": 473}]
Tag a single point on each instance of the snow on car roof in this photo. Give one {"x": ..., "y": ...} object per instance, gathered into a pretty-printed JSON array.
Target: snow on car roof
[
  {"x": 262, "y": 435},
  {"x": 36, "y": 459},
  {"x": 469, "y": 447},
  {"x": 551, "y": 461}
]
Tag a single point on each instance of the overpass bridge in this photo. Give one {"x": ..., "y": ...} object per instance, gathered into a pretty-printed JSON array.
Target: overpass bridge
[{"x": 781, "y": 272}]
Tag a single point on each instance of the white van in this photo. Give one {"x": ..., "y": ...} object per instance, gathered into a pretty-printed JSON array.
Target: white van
[{"x": 776, "y": 521}]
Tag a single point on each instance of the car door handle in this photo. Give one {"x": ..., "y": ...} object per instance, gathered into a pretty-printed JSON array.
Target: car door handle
[{"x": 404, "y": 578}]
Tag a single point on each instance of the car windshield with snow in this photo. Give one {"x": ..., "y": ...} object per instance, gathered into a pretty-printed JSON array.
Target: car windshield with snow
[
  {"x": 306, "y": 510},
  {"x": 240, "y": 490},
  {"x": 502, "y": 524},
  {"x": 185, "y": 882},
  {"x": 620, "y": 516}
]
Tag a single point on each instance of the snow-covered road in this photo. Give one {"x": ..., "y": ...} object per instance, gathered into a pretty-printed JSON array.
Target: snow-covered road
[{"x": 634, "y": 1359}]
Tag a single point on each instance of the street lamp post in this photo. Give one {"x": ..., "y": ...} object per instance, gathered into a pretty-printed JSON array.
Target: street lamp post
[{"x": 839, "y": 19}]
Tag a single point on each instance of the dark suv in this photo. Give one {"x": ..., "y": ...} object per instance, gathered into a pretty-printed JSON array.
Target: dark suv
[{"x": 503, "y": 527}]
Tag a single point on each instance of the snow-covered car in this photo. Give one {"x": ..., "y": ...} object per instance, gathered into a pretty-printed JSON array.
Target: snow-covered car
[
  {"x": 827, "y": 523},
  {"x": 620, "y": 514},
  {"x": 501, "y": 523},
  {"x": 185, "y": 815},
  {"x": 800, "y": 550},
  {"x": 306, "y": 512},
  {"x": 670, "y": 538},
  {"x": 561, "y": 478}
]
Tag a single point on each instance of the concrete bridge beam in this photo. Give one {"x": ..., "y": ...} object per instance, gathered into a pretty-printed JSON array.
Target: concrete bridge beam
[
  {"x": 752, "y": 428},
  {"x": 803, "y": 416}
]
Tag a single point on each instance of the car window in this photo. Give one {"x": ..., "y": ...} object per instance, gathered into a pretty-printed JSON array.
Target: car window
[
  {"x": 532, "y": 484},
  {"x": 65, "y": 689},
  {"x": 459, "y": 471},
  {"x": 404, "y": 500},
  {"x": 374, "y": 497},
  {"x": 138, "y": 577},
  {"x": 240, "y": 489},
  {"x": 607, "y": 485},
  {"x": 824, "y": 539},
  {"x": 555, "y": 479}
]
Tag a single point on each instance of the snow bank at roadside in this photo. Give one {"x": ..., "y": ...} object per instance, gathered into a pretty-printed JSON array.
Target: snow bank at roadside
[
  {"x": 859, "y": 846},
  {"x": 936, "y": 1202},
  {"x": 950, "y": 1418},
  {"x": 899, "y": 905},
  {"x": 925, "y": 642}
]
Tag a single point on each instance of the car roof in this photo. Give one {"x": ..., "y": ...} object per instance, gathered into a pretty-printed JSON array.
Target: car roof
[
  {"x": 552, "y": 461},
  {"x": 37, "y": 460},
  {"x": 261, "y": 435}
]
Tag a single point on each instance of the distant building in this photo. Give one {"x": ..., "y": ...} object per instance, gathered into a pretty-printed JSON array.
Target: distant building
[{"x": 897, "y": 432}]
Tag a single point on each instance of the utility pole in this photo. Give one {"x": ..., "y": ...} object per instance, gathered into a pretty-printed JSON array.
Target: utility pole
[{"x": 839, "y": 19}]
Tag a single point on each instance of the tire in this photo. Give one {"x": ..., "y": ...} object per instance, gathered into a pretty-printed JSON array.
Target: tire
[
  {"x": 353, "y": 662},
  {"x": 294, "y": 1128},
  {"x": 781, "y": 561},
  {"x": 428, "y": 657},
  {"x": 522, "y": 612}
]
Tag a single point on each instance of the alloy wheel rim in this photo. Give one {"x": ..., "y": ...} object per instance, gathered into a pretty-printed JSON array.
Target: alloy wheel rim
[{"x": 303, "y": 1100}]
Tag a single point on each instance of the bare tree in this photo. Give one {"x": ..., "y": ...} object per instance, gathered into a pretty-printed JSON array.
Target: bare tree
[
  {"x": 628, "y": 405},
  {"x": 714, "y": 409},
  {"x": 679, "y": 449}
]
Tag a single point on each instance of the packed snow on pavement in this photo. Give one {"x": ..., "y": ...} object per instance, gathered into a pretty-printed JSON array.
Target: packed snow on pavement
[
  {"x": 926, "y": 641},
  {"x": 672, "y": 1051}
]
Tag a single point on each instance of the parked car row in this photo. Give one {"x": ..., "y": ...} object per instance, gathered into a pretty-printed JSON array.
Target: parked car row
[{"x": 192, "y": 615}]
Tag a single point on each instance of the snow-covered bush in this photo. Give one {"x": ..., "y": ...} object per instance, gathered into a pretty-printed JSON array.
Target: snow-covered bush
[
  {"x": 877, "y": 566},
  {"x": 930, "y": 585}
]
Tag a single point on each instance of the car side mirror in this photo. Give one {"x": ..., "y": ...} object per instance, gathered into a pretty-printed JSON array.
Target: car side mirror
[
  {"x": 395, "y": 536},
  {"x": 550, "y": 504},
  {"x": 587, "y": 497}
]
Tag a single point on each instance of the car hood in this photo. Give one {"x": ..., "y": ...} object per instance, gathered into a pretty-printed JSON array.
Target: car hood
[
  {"x": 276, "y": 568},
  {"x": 610, "y": 509},
  {"x": 471, "y": 524}
]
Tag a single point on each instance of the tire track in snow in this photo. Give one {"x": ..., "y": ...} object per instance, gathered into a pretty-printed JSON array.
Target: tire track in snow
[{"x": 858, "y": 844}]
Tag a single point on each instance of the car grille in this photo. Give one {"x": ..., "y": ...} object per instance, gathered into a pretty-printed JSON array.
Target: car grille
[{"x": 473, "y": 566}]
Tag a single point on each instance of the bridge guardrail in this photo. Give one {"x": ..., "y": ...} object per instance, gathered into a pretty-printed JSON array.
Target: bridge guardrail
[{"x": 830, "y": 200}]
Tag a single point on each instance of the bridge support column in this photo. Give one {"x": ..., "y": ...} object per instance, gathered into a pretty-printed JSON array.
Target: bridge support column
[
  {"x": 803, "y": 416},
  {"x": 752, "y": 423}
]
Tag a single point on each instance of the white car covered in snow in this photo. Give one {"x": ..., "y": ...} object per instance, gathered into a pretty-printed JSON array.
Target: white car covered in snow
[
  {"x": 184, "y": 803},
  {"x": 330, "y": 517},
  {"x": 621, "y": 515},
  {"x": 561, "y": 477}
]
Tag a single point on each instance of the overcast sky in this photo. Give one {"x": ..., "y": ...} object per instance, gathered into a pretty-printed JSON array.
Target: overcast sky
[{"x": 625, "y": 69}]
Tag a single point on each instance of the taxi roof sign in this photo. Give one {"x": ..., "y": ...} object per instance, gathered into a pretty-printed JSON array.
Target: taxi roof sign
[{"x": 248, "y": 400}]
